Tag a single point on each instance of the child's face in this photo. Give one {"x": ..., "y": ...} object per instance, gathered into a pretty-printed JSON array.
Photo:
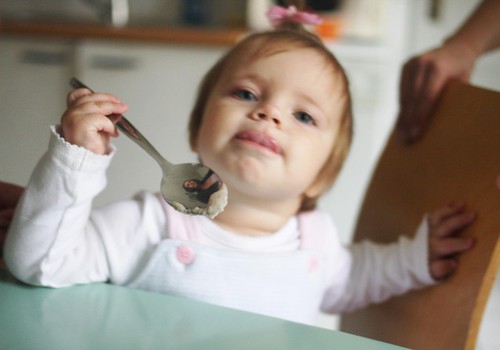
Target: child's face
[{"x": 270, "y": 123}]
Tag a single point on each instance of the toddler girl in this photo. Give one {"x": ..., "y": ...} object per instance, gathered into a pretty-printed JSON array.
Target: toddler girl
[{"x": 273, "y": 120}]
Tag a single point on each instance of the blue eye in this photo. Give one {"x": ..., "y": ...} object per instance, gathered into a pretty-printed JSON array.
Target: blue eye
[
  {"x": 305, "y": 118},
  {"x": 245, "y": 95}
]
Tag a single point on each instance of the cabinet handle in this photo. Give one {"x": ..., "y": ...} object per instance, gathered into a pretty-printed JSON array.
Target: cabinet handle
[
  {"x": 113, "y": 62},
  {"x": 40, "y": 57},
  {"x": 435, "y": 10}
]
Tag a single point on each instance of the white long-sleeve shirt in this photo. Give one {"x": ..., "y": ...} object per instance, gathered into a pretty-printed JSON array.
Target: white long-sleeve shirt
[{"x": 57, "y": 239}]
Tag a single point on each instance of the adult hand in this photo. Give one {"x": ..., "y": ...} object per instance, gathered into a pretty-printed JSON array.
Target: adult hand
[
  {"x": 9, "y": 196},
  {"x": 424, "y": 76},
  {"x": 422, "y": 82}
]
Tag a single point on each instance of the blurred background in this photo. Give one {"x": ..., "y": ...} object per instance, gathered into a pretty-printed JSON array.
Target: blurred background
[{"x": 153, "y": 53}]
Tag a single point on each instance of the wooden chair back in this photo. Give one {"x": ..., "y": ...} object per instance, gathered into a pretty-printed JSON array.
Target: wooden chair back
[{"x": 458, "y": 159}]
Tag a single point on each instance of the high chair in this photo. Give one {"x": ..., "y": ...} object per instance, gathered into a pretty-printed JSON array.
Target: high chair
[{"x": 458, "y": 159}]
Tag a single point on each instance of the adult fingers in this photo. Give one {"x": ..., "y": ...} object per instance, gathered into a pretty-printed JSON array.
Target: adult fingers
[
  {"x": 423, "y": 103},
  {"x": 409, "y": 85},
  {"x": 428, "y": 97},
  {"x": 414, "y": 85}
]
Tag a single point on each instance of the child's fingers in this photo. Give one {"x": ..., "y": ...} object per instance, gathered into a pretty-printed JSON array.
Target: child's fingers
[
  {"x": 92, "y": 131},
  {"x": 453, "y": 225},
  {"x": 441, "y": 269},
  {"x": 81, "y": 96},
  {"x": 445, "y": 212},
  {"x": 450, "y": 246},
  {"x": 103, "y": 108},
  {"x": 78, "y": 115},
  {"x": 90, "y": 119},
  {"x": 88, "y": 122},
  {"x": 104, "y": 125},
  {"x": 74, "y": 95},
  {"x": 114, "y": 118}
]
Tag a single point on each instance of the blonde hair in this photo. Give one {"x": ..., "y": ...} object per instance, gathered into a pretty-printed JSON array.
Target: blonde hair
[{"x": 285, "y": 38}]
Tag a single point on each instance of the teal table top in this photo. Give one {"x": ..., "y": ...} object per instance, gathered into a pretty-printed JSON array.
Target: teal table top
[{"x": 103, "y": 316}]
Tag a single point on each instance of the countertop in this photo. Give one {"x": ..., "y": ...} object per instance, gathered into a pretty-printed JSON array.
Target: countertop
[{"x": 180, "y": 35}]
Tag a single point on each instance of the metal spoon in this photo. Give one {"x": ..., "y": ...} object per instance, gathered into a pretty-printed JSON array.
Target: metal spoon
[{"x": 190, "y": 188}]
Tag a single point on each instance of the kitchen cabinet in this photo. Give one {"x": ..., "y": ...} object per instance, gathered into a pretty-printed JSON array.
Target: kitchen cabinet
[
  {"x": 157, "y": 82},
  {"x": 32, "y": 94}
]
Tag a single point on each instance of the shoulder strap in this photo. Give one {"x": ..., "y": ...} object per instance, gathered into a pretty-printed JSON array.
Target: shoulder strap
[
  {"x": 179, "y": 226},
  {"x": 313, "y": 228}
]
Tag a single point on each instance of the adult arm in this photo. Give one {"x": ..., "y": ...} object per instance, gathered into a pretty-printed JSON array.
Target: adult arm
[{"x": 424, "y": 76}]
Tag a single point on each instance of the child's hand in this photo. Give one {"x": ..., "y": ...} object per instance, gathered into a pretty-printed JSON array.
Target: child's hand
[
  {"x": 445, "y": 243},
  {"x": 85, "y": 122}
]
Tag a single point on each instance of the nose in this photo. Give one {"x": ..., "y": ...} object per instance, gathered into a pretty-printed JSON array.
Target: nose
[{"x": 266, "y": 113}]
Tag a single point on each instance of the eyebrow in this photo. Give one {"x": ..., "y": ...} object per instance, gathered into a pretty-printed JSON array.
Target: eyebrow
[{"x": 250, "y": 76}]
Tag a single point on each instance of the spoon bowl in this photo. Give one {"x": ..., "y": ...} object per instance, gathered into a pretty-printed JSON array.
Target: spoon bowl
[{"x": 191, "y": 188}]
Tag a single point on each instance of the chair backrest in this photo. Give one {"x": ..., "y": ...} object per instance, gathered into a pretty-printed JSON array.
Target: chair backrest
[{"x": 457, "y": 159}]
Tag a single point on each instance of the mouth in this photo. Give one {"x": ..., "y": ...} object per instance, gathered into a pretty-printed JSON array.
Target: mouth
[{"x": 259, "y": 139}]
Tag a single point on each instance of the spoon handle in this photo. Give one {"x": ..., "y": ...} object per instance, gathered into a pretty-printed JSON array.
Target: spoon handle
[{"x": 130, "y": 130}]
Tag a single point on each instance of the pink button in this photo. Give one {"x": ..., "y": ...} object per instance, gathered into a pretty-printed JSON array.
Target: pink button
[
  {"x": 313, "y": 264},
  {"x": 185, "y": 254}
]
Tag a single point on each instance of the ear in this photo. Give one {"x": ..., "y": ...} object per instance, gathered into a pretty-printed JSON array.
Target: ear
[
  {"x": 193, "y": 144},
  {"x": 315, "y": 189}
]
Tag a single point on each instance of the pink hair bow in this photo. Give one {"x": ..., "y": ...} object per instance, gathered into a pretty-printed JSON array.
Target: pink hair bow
[{"x": 278, "y": 15}]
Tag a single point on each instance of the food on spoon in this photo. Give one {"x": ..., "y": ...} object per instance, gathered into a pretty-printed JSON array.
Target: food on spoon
[{"x": 216, "y": 204}]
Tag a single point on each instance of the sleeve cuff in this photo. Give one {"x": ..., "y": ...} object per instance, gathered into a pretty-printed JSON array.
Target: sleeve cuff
[
  {"x": 418, "y": 250},
  {"x": 76, "y": 157}
]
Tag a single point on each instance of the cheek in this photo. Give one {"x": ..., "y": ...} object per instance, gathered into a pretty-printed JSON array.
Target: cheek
[
  {"x": 219, "y": 124},
  {"x": 315, "y": 156},
  {"x": 211, "y": 137},
  {"x": 318, "y": 150},
  {"x": 207, "y": 126},
  {"x": 203, "y": 144}
]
